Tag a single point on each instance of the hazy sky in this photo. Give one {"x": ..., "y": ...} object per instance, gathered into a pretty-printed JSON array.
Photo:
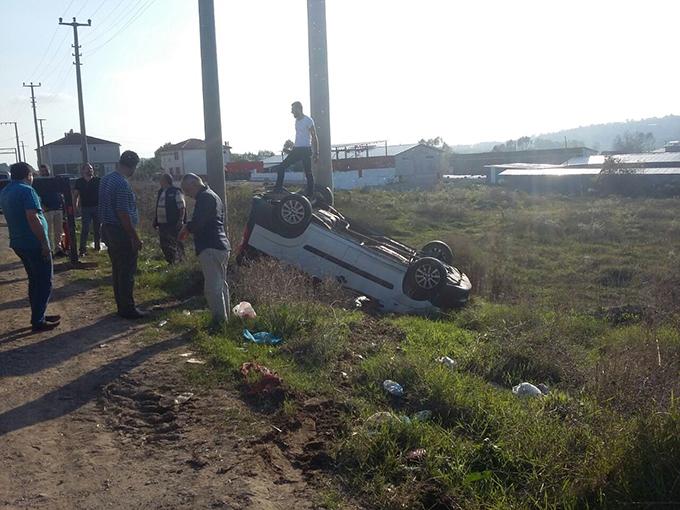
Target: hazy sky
[{"x": 399, "y": 69}]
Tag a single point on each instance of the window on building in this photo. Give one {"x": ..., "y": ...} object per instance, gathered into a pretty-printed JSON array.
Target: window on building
[{"x": 176, "y": 156}]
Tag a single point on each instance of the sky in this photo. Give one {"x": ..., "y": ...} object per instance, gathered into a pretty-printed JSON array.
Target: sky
[{"x": 399, "y": 70}]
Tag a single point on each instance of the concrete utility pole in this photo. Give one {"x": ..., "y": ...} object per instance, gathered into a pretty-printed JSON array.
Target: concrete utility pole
[
  {"x": 42, "y": 133},
  {"x": 35, "y": 119},
  {"x": 76, "y": 53},
  {"x": 16, "y": 134},
  {"x": 42, "y": 137},
  {"x": 212, "y": 119},
  {"x": 23, "y": 150},
  {"x": 318, "y": 88}
]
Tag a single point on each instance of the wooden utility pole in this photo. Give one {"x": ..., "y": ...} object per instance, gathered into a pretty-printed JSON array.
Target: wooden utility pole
[
  {"x": 35, "y": 120},
  {"x": 212, "y": 119},
  {"x": 318, "y": 88},
  {"x": 81, "y": 109}
]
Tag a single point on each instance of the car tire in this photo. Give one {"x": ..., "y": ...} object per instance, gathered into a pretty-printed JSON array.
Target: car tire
[
  {"x": 424, "y": 279},
  {"x": 438, "y": 250},
  {"x": 324, "y": 196},
  {"x": 293, "y": 214}
]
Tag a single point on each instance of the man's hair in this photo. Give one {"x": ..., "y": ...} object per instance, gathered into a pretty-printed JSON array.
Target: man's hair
[
  {"x": 167, "y": 178},
  {"x": 85, "y": 166},
  {"x": 43, "y": 166},
  {"x": 19, "y": 171},
  {"x": 192, "y": 178},
  {"x": 129, "y": 159},
  {"x": 297, "y": 103}
]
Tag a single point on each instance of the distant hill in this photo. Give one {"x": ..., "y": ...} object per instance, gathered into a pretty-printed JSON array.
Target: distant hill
[{"x": 597, "y": 136}]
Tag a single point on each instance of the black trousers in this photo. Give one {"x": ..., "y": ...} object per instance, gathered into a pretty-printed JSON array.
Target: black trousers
[
  {"x": 173, "y": 250},
  {"x": 303, "y": 154},
  {"x": 123, "y": 264}
]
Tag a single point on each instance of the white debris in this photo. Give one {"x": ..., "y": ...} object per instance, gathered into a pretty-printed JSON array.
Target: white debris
[{"x": 526, "y": 389}]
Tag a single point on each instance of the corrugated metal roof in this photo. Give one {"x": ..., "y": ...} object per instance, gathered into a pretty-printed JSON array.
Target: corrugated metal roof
[
  {"x": 561, "y": 171},
  {"x": 356, "y": 150},
  {"x": 629, "y": 159},
  {"x": 553, "y": 171}
]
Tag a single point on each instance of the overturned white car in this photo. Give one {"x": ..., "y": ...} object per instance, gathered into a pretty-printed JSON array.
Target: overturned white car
[{"x": 324, "y": 244}]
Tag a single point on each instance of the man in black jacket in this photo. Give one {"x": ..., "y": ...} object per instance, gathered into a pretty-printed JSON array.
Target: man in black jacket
[
  {"x": 211, "y": 243},
  {"x": 170, "y": 216}
]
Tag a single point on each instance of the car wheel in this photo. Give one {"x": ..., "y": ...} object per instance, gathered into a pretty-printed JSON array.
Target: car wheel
[
  {"x": 438, "y": 250},
  {"x": 293, "y": 214},
  {"x": 424, "y": 278},
  {"x": 324, "y": 196}
]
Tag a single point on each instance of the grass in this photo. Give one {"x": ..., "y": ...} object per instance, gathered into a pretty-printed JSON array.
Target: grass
[{"x": 577, "y": 293}]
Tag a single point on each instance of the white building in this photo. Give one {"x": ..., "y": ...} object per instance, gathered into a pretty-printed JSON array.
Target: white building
[
  {"x": 188, "y": 157},
  {"x": 64, "y": 156}
]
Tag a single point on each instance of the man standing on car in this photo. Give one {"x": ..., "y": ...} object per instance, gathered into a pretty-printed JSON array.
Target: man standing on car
[
  {"x": 86, "y": 197},
  {"x": 211, "y": 243},
  {"x": 53, "y": 203},
  {"x": 306, "y": 146},
  {"x": 170, "y": 216},
  {"x": 119, "y": 217},
  {"x": 29, "y": 240}
]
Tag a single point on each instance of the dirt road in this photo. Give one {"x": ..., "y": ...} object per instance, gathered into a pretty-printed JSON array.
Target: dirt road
[{"x": 88, "y": 417}]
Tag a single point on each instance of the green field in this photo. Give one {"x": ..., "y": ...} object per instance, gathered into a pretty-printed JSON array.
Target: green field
[{"x": 581, "y": 294}]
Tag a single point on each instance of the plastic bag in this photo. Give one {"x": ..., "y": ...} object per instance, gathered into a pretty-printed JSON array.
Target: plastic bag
[
  {"x": 393, "y": 388},
  {"x": 262, "y": 338},
  {"x": 526, "y": 389},
  {"x": 244, "y": 310}
]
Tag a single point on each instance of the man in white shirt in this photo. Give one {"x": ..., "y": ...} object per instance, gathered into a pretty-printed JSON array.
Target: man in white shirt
[{"x": 306, "y": 147}]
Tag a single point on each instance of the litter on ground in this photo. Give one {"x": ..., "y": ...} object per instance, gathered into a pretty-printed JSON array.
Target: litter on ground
[
  {"x": 267, "y": 382},
  {"x": 447, "y": 362},
  {"x": 262, "y": 338},
  {"x": 244, "y": 310},
  {"x": 393, "y": 388},
  {"x": 162, "y": 323},
  {"x": 195, "y": 361},
  {"x": 183, "y": 397},
  {"x": 526, "y": 389}
]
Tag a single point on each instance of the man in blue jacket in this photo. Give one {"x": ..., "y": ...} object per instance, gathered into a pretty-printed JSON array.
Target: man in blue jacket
[
  {"x": 211, "y": 243},
  {"x": 29, "y": 240}
]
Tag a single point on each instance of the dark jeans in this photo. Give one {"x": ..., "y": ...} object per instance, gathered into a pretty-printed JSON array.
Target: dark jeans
[
  {"x": 173, "y": 250},
  {"x": 123, "y": 264},
  {"x": 39, "y": 271},
  {"x": 303, "y": 154},
  {"x": 90, "y": 215}
]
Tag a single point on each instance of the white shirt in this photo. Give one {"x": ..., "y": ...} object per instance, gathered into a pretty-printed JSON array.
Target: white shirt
[{"x": 303, "y": 137}]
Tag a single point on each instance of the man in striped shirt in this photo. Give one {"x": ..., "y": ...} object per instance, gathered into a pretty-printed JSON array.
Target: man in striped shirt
[{"x": 119, "y": 217}]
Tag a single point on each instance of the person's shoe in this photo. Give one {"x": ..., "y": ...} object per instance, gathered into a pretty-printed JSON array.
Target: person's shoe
[
  {"x": 44, "y": 326},
  {"x": 52, "y": 318},
  {"x": 135, "y": 313},
  {"x": 97, "y": 247}
]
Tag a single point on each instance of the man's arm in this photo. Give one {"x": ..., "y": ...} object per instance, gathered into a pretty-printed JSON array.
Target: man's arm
[
  {"x": 76, "y": 199},
  {"x": 204, "y": 211},
  {"x": 37, "y": 229},
  {"x": 126, "y": 223},
  {"x": 315, "y": 143}
]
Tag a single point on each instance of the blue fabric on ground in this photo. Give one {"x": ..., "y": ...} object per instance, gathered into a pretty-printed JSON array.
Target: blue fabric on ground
[{"x": 262, "y": 338}]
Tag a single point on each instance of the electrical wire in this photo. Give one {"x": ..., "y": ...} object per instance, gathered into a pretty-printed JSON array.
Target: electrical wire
[
  {"x": 144, "y": 8},
  {"x": 112, "y": 22}
]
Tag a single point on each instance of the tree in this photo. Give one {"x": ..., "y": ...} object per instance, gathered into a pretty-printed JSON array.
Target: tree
[
  {"x": 524, "y": 143},
  {"x": 437, "y": 142},
  {"x": 164, "y": 146},
  {"x": 148, "y": 169},
  {"x": 634, "y": 142},
  {"x": 251, "y": 156}
]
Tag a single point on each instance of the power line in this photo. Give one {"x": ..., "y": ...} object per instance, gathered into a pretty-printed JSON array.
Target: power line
[
  {"x": 131, "y": 21},
  {"x": 112, "y": 22},
  {"x": 101, "y": 4},
  {"x": 67, "y": 8}
]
